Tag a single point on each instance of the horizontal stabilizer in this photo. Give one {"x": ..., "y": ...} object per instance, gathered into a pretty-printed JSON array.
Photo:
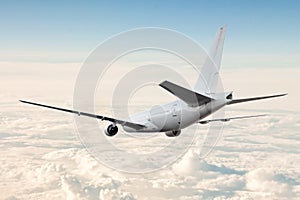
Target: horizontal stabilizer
[
  {"x": 228, "y": 119},
  {"x": 253, "y": 99},
  {"x": 190, "y": 97}
]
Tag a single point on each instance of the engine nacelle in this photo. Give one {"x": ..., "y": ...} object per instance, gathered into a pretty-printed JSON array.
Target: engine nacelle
[
  {"x": 111, "y": 130},
  {"x": 173, "y": 133}
]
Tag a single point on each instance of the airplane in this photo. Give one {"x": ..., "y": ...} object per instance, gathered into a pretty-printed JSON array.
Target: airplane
[{"x": 191, "y": 106}]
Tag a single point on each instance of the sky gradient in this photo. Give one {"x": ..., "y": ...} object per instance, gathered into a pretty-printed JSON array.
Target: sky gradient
[{"x": 66, "y": 31}]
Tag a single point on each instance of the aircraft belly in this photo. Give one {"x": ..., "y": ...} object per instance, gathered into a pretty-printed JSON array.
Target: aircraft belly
[
  {"x": 165, "y": 122},
  {"x": 188, "y": 117}
]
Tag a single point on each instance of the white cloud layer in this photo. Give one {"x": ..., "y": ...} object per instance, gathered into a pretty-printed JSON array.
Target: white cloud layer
[
  {"x": 259, "y": 163},
  {"x": 41, "y": 158}
]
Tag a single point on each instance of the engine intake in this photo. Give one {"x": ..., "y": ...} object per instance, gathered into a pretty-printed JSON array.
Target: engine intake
[
  {"x": 173, "y": 133},
  {"x": 111, "y": 130}
]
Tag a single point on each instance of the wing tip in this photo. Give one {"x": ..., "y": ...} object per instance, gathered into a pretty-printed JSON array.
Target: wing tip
[{"x": 280, "y": 95}]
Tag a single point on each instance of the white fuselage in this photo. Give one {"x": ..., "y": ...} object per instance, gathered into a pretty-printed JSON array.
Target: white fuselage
[{"x": 172, "y": 116}]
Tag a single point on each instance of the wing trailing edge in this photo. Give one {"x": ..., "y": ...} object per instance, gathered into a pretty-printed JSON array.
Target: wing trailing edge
[{"x": 230, "y": 118}]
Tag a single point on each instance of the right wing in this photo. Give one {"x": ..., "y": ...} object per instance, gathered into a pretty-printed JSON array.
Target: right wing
[
  {"x": 228, "y": 119},
  {"x": 117, "y": 121}
]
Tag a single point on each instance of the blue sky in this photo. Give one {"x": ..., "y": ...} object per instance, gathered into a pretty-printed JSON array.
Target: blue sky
[{"x": 254, "y": 27}]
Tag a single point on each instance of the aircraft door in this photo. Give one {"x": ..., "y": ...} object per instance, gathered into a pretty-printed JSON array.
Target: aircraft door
[{"x": 176, "y": 114}]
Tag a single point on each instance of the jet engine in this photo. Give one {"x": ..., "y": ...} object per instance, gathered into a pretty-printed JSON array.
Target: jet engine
[
  {"x": 111, "y": 130},
  {"x": 173, "y": 133}
]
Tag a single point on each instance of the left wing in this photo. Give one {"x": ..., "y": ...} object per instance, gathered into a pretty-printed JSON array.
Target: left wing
[
  {"x": 117, "y": 121},
  {"x": 228, "y": 119}
]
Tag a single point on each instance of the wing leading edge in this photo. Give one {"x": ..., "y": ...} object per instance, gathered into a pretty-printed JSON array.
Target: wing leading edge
[{"x": 117, "y": 121}]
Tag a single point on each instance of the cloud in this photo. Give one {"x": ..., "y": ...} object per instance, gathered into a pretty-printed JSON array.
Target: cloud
[
  {"x": 115, "y": 195},
  {"x": 266, "y": 181},
  {"x": 43, "y": 159},
  {"x": 77, "y": 189},
  {"x": 190, "y": 165}
]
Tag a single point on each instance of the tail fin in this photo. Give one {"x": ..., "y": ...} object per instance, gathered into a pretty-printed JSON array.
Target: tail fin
[{"x": 208, "y": 79}]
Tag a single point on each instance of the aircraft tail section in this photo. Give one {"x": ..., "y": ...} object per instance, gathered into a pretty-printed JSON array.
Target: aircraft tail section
[
  {"x": 192, "y": 98},
  {"x": 234, "y": 101},
  {"x": 209, "y": 77}
]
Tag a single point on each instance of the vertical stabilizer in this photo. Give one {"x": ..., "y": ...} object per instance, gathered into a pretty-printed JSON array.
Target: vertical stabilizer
[{"x": 209, "y": 77}]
